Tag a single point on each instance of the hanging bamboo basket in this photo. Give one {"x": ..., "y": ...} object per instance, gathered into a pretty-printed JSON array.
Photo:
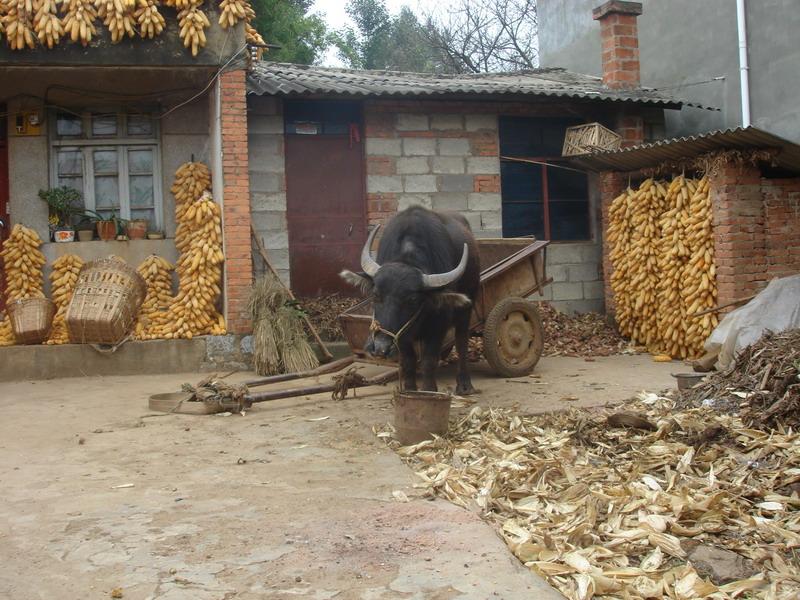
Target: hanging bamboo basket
[
  {"x": 590, "y": 137},
  {"x": 31, "y": 319}
]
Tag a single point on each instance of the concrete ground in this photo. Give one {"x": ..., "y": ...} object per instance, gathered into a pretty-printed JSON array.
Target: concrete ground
[{"x": 293, "y": 500}]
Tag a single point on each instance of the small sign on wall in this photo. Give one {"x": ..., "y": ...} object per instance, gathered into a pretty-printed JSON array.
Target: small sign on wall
[
  {"x": 27, "y": 123},
  {"x": 306, "y": 128}
]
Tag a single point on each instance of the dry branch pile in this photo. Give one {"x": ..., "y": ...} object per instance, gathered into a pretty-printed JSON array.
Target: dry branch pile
[
  {"x": 323, "y": 312},
  {"x": 662, "y": 252},
  {"x": 578, "y": 335},
  {"x": 609, "y": 512},
  {"x": 763, "y": 383}
]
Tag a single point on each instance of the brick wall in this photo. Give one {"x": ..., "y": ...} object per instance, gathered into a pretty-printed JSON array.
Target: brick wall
[
  {"x": 267, "y": 171},
  {"x": 611, "y": 185},
  {"x": 236, "y": 200},
  {"x": 445, "y": 161},
  {"x": 782, "y": 224},
  {"x": 620, "y": 43}
]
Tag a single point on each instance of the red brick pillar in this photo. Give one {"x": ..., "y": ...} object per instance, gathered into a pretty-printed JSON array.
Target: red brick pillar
[
  {"x": 611, "y": 185},
  {"x": 620, "y": 38},
  {"x": 739, "y": 241},
  {"x": 236, "y": 200}
]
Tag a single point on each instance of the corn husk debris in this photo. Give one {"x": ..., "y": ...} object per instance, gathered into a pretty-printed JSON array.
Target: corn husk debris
[{"x": 605, "y": 512}]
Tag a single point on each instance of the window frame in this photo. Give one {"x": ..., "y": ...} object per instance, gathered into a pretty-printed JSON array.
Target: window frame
[
  {"x": 545, "y": 163},
  {"x": 121, "y": 143}
]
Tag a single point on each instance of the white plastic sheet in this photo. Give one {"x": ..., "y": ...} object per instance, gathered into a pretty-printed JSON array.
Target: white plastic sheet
[{"x": 776, "y": 308}]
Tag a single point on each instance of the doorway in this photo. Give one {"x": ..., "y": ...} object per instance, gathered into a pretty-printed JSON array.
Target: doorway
[{"x": 325, "y": 196}]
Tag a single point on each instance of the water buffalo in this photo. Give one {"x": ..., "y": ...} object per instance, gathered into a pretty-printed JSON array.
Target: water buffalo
[{"x": 424, "y": 281}]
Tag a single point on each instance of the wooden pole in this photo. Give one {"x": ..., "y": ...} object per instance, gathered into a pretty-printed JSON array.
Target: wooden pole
[
  {"x": 721, "y": 306},
  {"x": 327, "y": 356}
]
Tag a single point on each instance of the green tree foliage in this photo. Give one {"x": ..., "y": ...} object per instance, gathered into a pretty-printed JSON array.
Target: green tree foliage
[
  {"x": 303, "y": 37},
  {"x": 382, "y": 41}
]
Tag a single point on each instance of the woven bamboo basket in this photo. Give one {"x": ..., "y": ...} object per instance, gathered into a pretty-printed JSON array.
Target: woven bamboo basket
[
  {"x": 31, "y": 319},
  {"x": 105, "y": 303},
  {"x": 590, "y": 137}
]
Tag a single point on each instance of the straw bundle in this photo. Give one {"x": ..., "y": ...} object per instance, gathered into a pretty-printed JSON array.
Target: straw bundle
[{"x": 279, "y": 343}]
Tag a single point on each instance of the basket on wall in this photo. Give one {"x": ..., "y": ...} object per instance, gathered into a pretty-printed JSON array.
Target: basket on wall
[
  {"x": 31, "y": 319},
  {"x": 105, "y": 303},
  {"x": 590, "y": 137}
]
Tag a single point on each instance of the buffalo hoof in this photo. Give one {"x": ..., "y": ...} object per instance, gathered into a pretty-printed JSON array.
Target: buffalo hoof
[{"x": 466, "y": 390}]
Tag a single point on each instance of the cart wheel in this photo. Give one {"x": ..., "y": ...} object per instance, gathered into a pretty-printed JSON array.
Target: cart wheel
[{"x": 513, "y": 337}]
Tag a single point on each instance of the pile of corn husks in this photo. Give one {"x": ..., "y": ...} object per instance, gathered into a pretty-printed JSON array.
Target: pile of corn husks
[{"x": 609, "y": 511}]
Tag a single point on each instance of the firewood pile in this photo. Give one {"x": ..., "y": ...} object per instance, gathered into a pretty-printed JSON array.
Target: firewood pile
[
  {"x": 578, "y": 335},
  {"x": 675, "y": 503},
  {"x": 763, "y": 383},
  {"x": 324, "y": 311}
]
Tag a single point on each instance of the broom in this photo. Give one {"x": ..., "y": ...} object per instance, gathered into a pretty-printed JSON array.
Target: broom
[{"x": 279, "y": 343}]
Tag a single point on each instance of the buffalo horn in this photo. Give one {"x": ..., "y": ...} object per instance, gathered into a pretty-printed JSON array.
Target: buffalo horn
[
  {"x": 368, "y": 264},
  {"x": 439, "y": 280}
]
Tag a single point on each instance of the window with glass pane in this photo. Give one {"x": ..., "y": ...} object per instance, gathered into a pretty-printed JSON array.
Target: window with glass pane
[
  {"x": 69, "y": 168},
  {"x": 140, "y": 125},
  {"x": 106, "y": 181},
  {"x": 141, "y": 183},
  {"x": 104, "y": 125},
  {"x": 68, "y": 125}
]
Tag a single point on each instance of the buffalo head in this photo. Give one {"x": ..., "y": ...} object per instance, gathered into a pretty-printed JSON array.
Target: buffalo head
[{"x": 401, "y": 293}]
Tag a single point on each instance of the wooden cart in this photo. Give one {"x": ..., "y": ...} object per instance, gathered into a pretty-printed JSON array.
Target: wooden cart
[{"x": 510, "y": 324}]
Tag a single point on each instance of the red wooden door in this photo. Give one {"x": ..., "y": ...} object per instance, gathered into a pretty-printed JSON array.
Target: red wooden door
[
  {"x": 326, "y": 210},
  {"x": 4, "y": 226}
]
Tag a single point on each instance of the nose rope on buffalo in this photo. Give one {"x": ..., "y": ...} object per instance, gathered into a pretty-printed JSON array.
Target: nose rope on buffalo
[{"x": 375, "y": 326}]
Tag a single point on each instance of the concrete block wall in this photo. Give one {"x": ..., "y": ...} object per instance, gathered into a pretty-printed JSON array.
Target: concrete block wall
[
  {"x": 576, "y": 270},
  {"x": 441, "y": 160},
  {"x": 267, "y": 170}
]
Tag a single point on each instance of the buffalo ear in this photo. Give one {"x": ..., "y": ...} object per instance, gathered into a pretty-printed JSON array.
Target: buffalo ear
[
  {"x": 451, "y": 300},
  {"x": 360, "y": 280}
]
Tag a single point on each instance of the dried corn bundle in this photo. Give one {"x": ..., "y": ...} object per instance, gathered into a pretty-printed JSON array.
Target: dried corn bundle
[
  {"x": 22, "y": 263},
  {"x": 118, "y": 16},
  {"x": 157, "y": 274},
  {"x": 47, "y": 24},
  {"x": 17, "y": 20},
  {"x": 232, "y": 12},
  {"x": 6, "y": 333},
  {"x": 661, "y": 248},
  {"x": 79, "y": 21},
  {"x": 151, "y": 22},
  {"x": 192, "y": 22},
  {"x": 198, "y": 237},
  {"x": 63, "y": 278}
]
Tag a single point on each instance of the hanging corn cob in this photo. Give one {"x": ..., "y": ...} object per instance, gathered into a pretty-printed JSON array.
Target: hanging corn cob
[
  {"x": 151, "y": 22},
  {"x": 22, "y": 263},
  {"x": 232, "y": 12},
  {"x": 118, "y": 16},
  {"x": 79, "y": 21},
  {"x": 662, "y": 251},
  {"x": 63, "y": 278},
  {"x": 157, "y": 274},
  {"x": 47, "y": 24},
  {"x": 198, "y": 237},
  {"x": 22, "y": 268},
  {"x": 192, "y": 22},
  {"x": 17, "y": 18}
]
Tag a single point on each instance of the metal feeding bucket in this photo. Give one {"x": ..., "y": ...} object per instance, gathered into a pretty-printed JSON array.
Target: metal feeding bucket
[
  {"x": 688, "y": 380},
  {"x": 419, "y": 415}
]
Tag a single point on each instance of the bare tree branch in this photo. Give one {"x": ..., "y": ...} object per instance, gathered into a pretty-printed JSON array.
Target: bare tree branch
[{"x": 485, "y": 36}]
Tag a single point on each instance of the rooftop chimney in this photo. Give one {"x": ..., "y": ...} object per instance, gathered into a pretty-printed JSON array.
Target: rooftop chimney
[{"x": 620, "y": 39}]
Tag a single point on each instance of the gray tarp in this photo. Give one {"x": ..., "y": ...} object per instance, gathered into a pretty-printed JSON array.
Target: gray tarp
[{"x": 776, "y": 308}]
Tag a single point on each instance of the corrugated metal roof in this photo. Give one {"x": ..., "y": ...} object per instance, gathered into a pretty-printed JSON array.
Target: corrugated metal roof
[
  {"x": 673, "y": 150},
  {"x": 281, "y": 79}
]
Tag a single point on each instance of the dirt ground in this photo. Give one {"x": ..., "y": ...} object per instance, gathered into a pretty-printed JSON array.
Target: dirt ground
[{"x": 293, "y": 500}]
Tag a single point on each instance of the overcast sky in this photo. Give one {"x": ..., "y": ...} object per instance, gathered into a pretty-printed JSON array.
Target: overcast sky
[{"x": 336, "y": 16}]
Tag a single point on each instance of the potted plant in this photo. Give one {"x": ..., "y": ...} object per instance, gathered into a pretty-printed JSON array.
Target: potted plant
[
  {"x": 155, "y": 235},
  {"x": 62, "y": 203},
  {"x": 137, "y": 229},
  {"x": 107, "y": 228},
  {"x": 86, "y": 228}
]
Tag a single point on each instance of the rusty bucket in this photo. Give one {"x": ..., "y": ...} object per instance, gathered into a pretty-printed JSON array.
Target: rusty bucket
[{"x": 418, "y": 415}]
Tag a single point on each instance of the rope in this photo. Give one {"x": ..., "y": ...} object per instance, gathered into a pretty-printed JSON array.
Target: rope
[{"x": 348, "y": 380}]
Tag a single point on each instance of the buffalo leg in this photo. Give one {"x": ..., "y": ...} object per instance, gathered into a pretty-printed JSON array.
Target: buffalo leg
[
  {"x": 463, "y": 380},
  {"x": 408, "y": 366},
  {"x": 430, "y": 359}
]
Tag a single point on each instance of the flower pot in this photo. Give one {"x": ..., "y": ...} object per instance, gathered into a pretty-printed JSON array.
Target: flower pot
[
  {"x": 137, "y": 229},
  {"x": 85, "y": 235},
  {"x": 63, "y": 234},
  {"x": 107, "y": 230}
]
